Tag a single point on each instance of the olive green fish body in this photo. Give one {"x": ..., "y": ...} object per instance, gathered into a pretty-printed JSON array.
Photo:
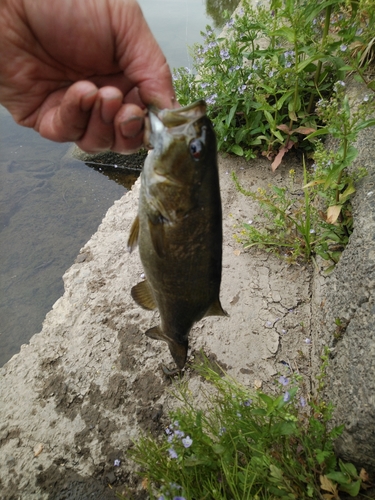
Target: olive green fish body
[{"x": 179, "y": 227}]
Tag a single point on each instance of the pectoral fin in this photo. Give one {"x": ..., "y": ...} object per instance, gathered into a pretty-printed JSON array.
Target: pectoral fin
[
  {"x": 133, "y": 236},
  {"x": 216, "y": 309},
  {"x": 157, "y": 233},
  {"x": 142, "y": 294}
]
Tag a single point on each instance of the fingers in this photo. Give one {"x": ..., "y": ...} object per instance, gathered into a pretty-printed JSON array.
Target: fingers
[
  {"x": 100, "y": 134},
  {"x": 95, "y": 119},
  {"x": 65, "y": 113}
]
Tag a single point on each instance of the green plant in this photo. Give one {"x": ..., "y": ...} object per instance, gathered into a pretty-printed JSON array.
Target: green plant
[
  {"x": 308, "y": 227},
  {"x": 289, "y": 228},
  {"x": 262, "y": 81},
  {"x": 244, "y": 445}
]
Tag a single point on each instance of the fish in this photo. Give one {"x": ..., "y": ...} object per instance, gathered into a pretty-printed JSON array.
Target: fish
[{"x": 178, "y": 228}]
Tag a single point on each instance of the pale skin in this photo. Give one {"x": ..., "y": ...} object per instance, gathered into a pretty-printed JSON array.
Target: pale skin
[{"x": 81, "y": 71}]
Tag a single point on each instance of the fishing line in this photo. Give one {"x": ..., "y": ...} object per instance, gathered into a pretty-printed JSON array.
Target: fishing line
[{"x": 186, "y": 32}]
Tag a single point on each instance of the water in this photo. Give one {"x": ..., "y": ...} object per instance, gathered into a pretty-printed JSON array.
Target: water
[{"x": 50, "y": 206}]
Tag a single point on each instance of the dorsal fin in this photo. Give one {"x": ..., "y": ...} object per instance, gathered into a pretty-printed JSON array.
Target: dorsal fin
[
  {"x": 143, "y": 296},
  {"x": 216, "y": 309},
  {"x": 133, "y": 236}
]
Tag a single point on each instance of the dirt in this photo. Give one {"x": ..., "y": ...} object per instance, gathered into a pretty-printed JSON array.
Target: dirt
[{"x": 90, "y": 383}]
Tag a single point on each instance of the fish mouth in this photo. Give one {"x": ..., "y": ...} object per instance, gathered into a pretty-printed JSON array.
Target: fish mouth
[
  {"x": 180, "y": 116},
  {"x": 173, "y": 121}
]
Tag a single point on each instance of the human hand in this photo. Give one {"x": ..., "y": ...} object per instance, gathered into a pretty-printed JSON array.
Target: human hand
[{"x": 81, "y": 71}]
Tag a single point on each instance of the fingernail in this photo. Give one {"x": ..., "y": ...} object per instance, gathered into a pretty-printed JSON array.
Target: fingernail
[{"x": 132, "y": 127}]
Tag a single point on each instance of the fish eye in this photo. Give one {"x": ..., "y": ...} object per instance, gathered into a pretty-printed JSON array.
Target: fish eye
[{"x": 196, "y": 148}]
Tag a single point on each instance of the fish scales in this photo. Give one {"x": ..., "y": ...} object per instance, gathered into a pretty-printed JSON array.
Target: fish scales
[{"x": 179, "y": 226}]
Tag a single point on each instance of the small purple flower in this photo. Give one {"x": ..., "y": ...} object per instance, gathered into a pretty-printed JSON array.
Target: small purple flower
[
  {"x": 175, "y": 486},
  {"x": 179, "y": 434},
  {"x": 366, "y": 98},
  {"x": 283, "y": 380},
  {"x": 230, "y": 23},
  {"x": 179, "y": 498},
  {"x": 343, "y": 47},
  {"x": 247, "y": 402},
  {"x": 239, "y": 414},
  {"x": 302, "y": 401},
  {"x": 288, "y": 64},
  {"x": 241, "y": 89},
  {"x": 117, "y": 463},
  {"x": 211, "y": 99},
  {"x": 170, "y": 438},
  {"x": 308, "y": 341},
  {"x": 286, "y": 397},
  {"x": 162, "y": 497},
  {"x": 168, "y": 431},
  {"x": 172, "y": 453},
  {"x": 222, "y": 431},
  {"x": 187, "y": 442},
  {"x": 224, "y": 54},
  {"x": 271, "y": 73}
]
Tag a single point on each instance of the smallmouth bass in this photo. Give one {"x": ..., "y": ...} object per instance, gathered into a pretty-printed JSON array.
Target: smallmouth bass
[{"x": 179, "y": 226}]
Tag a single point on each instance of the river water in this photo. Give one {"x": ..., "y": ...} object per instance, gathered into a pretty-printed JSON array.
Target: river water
[{"x": 49, "y": 208}]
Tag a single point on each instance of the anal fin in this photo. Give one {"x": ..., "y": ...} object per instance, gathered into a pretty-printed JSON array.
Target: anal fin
[{"x": 142, "y": 294}]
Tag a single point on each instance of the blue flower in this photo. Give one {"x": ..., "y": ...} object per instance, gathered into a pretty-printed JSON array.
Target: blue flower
[
  {"x": 117, "y": 462},
  {"x": 222, "y": 431},
  {"x": 224, "y": 54},
  {"x": 283, "y": 380},
  {"x": 248, "y": 401},
  {"x": 286, "y": 397},
  {"x": 241, "y": 89},
  {"x": 187, "y": 442},
  {"x": 302, "y": 401},
  {"x": 179, "y": 434},
  {"x": 179, "y": 498},
  {"x": 343, "y": 47},
  {"x": 204, "y": 85},
  {"x": 175, "y": 486},
  {"x": 172, "y": 453},
  {"x": 211, "y": 99}
]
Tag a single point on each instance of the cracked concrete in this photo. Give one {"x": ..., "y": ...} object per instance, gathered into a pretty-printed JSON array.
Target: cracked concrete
[
  {"x": 90, "y": 382},
  {"x": 343, "y": 316},
  {"x": 74, "y": 399}
]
